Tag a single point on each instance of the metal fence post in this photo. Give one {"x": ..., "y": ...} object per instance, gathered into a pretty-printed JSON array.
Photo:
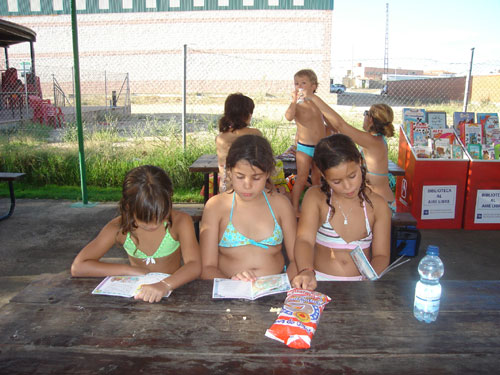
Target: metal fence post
[
  {"x": 184, "y": 98},
  {"x": 467, "y": 82}
]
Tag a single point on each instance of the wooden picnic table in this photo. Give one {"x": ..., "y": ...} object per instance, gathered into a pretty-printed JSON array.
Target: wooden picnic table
[
  {"x": 207, "y": 164},
  {"x": 56, "y": 326}
]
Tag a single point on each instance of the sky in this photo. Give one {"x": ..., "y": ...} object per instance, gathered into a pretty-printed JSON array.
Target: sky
[{"x": 423, "y": 34}]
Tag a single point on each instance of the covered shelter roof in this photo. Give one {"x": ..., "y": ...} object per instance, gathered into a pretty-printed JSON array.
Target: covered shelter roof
[{"x": 12, "y": 33}]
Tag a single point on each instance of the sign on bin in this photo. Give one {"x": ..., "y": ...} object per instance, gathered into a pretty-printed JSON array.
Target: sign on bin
[
  {"x": 438, "y": 202},
  {"x": 487, "y": 207}
]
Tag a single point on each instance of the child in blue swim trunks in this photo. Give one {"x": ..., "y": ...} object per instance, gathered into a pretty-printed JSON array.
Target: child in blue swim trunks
[
  {"x": 310, "y": 129},
  {"x": 154, "y": 236},
  {"x": 244, "y": 229}
]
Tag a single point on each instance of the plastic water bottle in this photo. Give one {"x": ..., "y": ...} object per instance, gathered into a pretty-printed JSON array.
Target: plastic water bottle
[
  {"x": 428, "y": 289},
  {"x": 300, "y": 97}
]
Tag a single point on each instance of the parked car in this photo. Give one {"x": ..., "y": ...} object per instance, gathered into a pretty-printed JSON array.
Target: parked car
[
  {"x": 383, "y": 92},
  {"x": 337, "y": 88}
]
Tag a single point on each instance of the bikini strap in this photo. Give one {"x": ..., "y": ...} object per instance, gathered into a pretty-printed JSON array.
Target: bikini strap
[
  {"x": 367, "y": 222},
  {"x": 268, "y": 205},
  {"x": 232, "y": 206},
  {"x": 329, "y": 207}
]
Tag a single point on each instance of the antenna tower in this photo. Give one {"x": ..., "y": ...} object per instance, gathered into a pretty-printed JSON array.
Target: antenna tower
[{"x": 386, "y": 51}]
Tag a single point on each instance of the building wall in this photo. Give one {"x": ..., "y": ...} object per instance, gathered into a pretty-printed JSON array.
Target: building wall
[{"x": 244, "y": 49}]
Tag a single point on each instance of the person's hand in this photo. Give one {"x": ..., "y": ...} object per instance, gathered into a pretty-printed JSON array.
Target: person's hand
[
  {"x": 295, "y": 95},
  {"x": 305, "y": 280},
  {"x": 244, "y": 276},
  {"x": 153, "y": 292}
]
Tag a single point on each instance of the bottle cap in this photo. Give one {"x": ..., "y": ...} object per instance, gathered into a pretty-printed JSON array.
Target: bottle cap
[{"x": 432, "y": 250}]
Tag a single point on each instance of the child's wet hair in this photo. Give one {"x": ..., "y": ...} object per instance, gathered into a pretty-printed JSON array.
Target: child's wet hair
[
  {"x": 333, "y": 151},
  {"x": 237, "y": 110},
  {"x": 146, "y": 196},
  {"x": 255, "y": 149},
  {"x": 309, "y": 73},
  {"x": 382, "y": 116}
]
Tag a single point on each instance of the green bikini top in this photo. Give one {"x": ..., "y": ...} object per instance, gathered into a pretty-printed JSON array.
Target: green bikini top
[{"x": 167, "y": 246}]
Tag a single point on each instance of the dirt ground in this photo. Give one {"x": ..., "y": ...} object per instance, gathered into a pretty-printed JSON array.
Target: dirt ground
[{"x": 43, "y": 236}]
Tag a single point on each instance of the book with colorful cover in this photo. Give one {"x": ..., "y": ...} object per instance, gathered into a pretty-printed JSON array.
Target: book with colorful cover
[
  {"x": 457, "y": 152},
  {"x": 491, "y": 129},
  {"x": 128, "y": 286},
  {"x": 263, "y": 286},
  {"x": 436, "y": 120},
  {"x": 488, "y": 152},
  {"x": 419, "y": 134},
  {"x": 422, "y": 152},
  {"x": 366, "y": 269},
  {"x": 412, "y": 116},
  {"x": 475, "y": 151},
  {"x": 473, "y": 133},
  {"x": 448, "y": 134},
  {"x": 459, "y": 121},
  {"x": 442, "y": 149}
]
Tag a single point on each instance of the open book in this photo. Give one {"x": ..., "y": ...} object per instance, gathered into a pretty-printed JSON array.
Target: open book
[
  {"x": 263, "y": 286},
  {"x": 366, "y": 269},
  {"x": 128, "y": 286}
]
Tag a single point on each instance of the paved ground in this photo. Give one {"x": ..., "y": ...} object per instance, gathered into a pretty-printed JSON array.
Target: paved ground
[{"x": 43, "y": 236}]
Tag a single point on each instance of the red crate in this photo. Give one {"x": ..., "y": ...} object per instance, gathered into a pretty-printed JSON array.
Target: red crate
[{"x": 441, "y": 181}]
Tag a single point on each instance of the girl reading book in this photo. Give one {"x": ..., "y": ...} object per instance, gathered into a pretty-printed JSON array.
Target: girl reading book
[
  {"x": 339, "y": 216},
  {"x": 154, "y": 236},
  {"x": 377, "y": 125},
  {"x": 243, "y": 231}
]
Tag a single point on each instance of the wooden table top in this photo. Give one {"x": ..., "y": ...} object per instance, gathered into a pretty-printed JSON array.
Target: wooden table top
[
  {"x": 56, "y": 326},
  {"x": 207, "y": 163}
]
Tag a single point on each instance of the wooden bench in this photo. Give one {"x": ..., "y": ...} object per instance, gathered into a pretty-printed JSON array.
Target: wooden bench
[
  {"x": 10, "y": 178},
  {"x": 193, "y": 210}
]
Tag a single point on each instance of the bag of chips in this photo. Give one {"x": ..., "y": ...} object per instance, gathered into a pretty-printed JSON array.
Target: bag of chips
[{"x": 298, "y": 320}]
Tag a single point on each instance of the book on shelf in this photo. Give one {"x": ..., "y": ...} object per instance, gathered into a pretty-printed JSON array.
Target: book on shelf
[
  {"x": 419, "y": 134},
  {"x": 422, "y": 152},
  {"x": 263, "y": 286},
  {"x": 491, "y": 129},
  {"x": 457, "y": 152},
  {"x": 436, "y": 120},
  {"x": 488, "y": 152},
  {"x": 441, "y": 134},
  {"x": 366, "y": 269},
  {"x": 473, "y": 133},
  {"x": 497, "y": 151},
  {"x": 128, "y": 286},
  {"x": 475, "y": 151},
  {"x": 412, "y": 116},
  {"x": 442, "y": 149},
  {"x": 459, "y": 121}
]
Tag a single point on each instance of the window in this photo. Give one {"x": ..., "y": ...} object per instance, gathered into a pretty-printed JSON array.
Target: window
[
  {"x": 57, "y": 5},
  {"x": 273, "y": 3},
  {"x": 81, "y": 5},
  {"x": 103, "y": 4},
  {"x": 298, "y": 3},
  {"x": 223, "y": 3},
  {"x": 198, "y": 3},
  {"x": 12, "y": 5},
  {"x": 35, "y": 5},
  {"x": 150, "y": 3},
  {"x": 248, "y": 3},
  {"x": 127, "y": 4}
]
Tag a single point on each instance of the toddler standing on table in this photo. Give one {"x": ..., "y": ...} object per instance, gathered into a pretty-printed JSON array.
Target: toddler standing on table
[
  {"x": 310, "y": 129},
  {"x": 154, "y": 236},
  {"x": 243, "y": 230},
  {"x": 339, "y": 216}
]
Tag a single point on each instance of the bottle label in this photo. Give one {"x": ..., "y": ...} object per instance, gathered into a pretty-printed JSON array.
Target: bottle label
[{"x": 427, "y": 297}]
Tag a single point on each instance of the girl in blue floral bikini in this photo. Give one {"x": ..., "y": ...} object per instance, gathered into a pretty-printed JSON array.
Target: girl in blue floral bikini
[{"x": 243, "y": 230}]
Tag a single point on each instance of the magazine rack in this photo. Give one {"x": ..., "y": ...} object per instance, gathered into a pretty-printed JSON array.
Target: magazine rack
[{"x": 433, "y": 190}]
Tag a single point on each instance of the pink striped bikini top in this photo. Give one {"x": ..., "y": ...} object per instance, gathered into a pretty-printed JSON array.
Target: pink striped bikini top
[{"x": 328, "y": 237}]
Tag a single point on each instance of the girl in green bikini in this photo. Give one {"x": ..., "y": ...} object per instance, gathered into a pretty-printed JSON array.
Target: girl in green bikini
[{"x": 154, "y": 236}]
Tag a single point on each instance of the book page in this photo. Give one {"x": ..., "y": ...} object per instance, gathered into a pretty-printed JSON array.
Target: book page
[
  {"x": 227, "y": 288},
  {"x": 364, "y": 266},
  {"x": 272, "y": 284},
  {"x": 127, "y": 286},
  {"x": 263, "y": 286}
]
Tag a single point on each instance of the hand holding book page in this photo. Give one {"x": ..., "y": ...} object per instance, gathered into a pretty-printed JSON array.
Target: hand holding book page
[
  {"x": 128, "y": 286},
  {"x": 263, "y": 286},
  {"x": 366, "y": 269}
]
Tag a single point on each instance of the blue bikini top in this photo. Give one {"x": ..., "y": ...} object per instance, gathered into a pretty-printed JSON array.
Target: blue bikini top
[{"x": 233, "y": 238}]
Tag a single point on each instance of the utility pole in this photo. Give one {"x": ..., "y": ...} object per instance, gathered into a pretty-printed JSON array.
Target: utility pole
[{"x": 386, "y": 51}]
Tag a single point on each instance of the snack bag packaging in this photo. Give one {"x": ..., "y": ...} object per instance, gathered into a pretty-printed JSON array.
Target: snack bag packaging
[{"x": 299, "y": 318}]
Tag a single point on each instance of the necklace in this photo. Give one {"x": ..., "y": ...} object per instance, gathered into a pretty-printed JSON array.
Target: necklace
[{"x": 343, "y": 214}]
